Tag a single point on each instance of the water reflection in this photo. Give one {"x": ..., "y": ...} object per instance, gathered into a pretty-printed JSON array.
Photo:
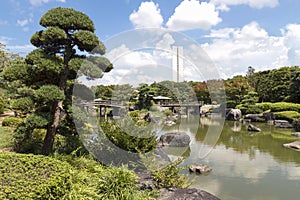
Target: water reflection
[{"x": 245, "y": 166}]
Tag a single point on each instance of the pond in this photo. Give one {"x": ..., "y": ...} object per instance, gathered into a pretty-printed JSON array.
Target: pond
[{"x": 248, "y": 166}]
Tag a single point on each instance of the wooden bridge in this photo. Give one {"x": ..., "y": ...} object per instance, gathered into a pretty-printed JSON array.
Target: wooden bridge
[{"x": 104, "y": 104}]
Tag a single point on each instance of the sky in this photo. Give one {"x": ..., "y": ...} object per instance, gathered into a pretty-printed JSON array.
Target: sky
[{"x": 234, "y": 34}]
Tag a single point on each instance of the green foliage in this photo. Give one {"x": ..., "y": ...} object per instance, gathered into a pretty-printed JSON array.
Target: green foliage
[
  {"x": 248, "y": 104},
  {"x": 277, "y": 85},
  {"x": 264, "y": 106},
  {"x": 236, "y": 89},
  {"x": 90, "y": 180},
  {"x": 2, "y": 105},
  {"x": 27, "y": 140},
  {"x": 23, "y": 105},
  {"x": 168, "y": 112},
  {"x": 252, "y": 109},
  {"x": 86, "y": 40},
  {"x": 49, "y": 72},
  {"x": 6, "y": 137},
  {"x": 285, "y": 106},
  {"x": 169, "y": 176},
  {"x": 287, "y": 115},
  {"x": 49, "y": 93},
  {"x": 135, "y": 115},
  {"x": 138, "y": 139},
  {"x": 33, "y": 177},
  {"x": 67, "y": 19},
  {"x": 12, "y": 121}
]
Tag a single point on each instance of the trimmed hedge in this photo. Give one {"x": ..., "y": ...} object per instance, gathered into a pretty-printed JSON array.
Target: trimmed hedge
[
  {"x": 33, "y": 177},
  {"x": 12, "y": 121},
  {"x": 284, "y": 106},
  {"x": 279, "y": 106},
  {"x": 287, "y": 115}
]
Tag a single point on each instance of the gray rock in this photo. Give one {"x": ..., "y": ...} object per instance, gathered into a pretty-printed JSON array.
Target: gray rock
[
  {"x": 186, "y": 194},
  {"x": 283, "y": 124},
  {"x": 296, "y": 134},
  {"x": 297, "y": 127},
  {"x": 146, "y": 181},
  {"x": 293, "y": 145},
  {"x": 202, "y": 169},
  {"x": 253, "y": 128},
  {"x": 269, "y": 116},
  {"x": 255, "y": 117},
  {"x": 233, "y": 114},
  {"x": 175, "y": 139}
]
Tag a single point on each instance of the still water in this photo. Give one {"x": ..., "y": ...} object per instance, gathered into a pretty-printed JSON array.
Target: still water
[{"x": 246, "y": 166}]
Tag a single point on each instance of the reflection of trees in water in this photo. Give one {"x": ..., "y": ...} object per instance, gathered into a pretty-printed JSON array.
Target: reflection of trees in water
[{"x": 236, "y": 136}]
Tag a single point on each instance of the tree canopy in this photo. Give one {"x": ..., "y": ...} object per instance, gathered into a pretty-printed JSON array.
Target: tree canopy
[{"x": 67, "y": 47}]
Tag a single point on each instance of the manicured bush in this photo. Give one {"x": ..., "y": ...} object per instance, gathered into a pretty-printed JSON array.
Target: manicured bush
[
  {"x": 284, "y": 106},
  {"x": 264, "y": 106},
  {"x": 253, "y": 109},
  {"x": 287, "y": 115},
  {"x": 33, "y": 177},
  {"x": 12, "y": 121}
]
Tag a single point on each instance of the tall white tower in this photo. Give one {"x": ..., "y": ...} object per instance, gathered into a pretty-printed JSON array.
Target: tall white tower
[{"x": 177, "y": 52}]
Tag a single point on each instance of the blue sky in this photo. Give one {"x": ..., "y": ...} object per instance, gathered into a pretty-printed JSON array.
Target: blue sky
[{"x": 234, "y": 33}]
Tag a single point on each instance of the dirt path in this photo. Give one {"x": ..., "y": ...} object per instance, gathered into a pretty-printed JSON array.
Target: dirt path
[{"x": 4, "y": 115}]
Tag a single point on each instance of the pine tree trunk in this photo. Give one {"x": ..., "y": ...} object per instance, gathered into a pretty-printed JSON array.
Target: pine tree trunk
[
  {"x": 51, "y": 129},
  {"x": 58, "y": 106}
]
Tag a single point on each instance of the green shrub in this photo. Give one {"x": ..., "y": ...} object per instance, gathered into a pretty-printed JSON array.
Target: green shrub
[
  {"x": 284, "y": 106},
  {"x": 169, "y": 176},
  {"x": 90, "y": 180},
  {"x": 287, "y": 115},
  {"x": 130, "y": 137},
  {"x": 28, "y": 141},
  {"x": 264, "y": 106},
  {"x": 168, "y": 112},
  {"x": 12, "y": 121},
  {"x": 33, "y": 177},
  {"x": 253, "y": 109}
]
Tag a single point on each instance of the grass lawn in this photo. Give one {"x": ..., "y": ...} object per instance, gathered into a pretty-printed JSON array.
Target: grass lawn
[{"x": 6, "y": 137}]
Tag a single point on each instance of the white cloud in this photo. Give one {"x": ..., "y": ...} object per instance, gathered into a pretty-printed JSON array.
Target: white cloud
[
  {"x": 223, "y": 4},
  {"x": 234, "y": 49},
  {"x": 40, "y": 2},
  {"x": 191, "y": 14},
  {"x": 22, "y": 22},
  {"x": 5, "y": 40},
  {"x": 22, "y": 50},
  {"x": 291, "y": 34},
  {"x": 148, "y": 15}
]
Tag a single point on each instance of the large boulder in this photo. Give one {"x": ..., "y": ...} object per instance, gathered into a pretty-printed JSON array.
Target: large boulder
[
  {"x": 186, "y": 194},
  {"x": 199, "y": 168},
  {"x": 283, "y": 124},
  {"x": 175, "y": 139},
  {"x": 233, "y": 114},
  {"x": 293, "y": 145},
  {"x": 269, "y": 117},
  {"x": 253, "y": 128},
  {"x": 296, "y": 134},
  {"x": 297, "y": 127},
  {"x": 254, "y": 118}
]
